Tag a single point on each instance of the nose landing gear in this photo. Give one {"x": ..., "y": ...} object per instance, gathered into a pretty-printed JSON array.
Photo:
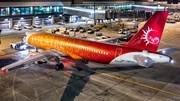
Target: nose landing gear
[
  {"x": 59, "y": 66},
  {"x": 85, "y": 61}
]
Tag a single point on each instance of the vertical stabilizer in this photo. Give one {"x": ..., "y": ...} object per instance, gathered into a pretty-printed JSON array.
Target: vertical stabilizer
[{"x": 149, "y": 36}]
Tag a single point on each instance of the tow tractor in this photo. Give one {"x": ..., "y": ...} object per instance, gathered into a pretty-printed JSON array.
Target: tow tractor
[{"x": 18, "y": 45}]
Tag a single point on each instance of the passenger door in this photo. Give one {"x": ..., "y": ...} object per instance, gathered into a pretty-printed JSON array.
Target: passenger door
[{"x": 118, "y": 53}]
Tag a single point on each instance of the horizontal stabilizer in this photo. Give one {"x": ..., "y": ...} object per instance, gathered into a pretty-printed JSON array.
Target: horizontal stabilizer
[
  {"x": 144, "y": 61},
  {"x": 167, "y": 51}
]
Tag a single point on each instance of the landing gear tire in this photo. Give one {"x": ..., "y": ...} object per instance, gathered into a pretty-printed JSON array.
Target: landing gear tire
[
  {"x": 59, "y": 66},
  {"x": 11, "y": 46},
  {"x": 15, "y": 47}
]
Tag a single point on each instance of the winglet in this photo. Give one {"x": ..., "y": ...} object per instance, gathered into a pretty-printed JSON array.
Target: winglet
[{"x": 4, "y": 70}]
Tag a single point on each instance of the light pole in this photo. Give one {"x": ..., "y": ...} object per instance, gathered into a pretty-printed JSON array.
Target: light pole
[
  {"x": 157, "y": 5},
  {"x": 0, "y": 36},
  {"x": 94, "y": 14}
]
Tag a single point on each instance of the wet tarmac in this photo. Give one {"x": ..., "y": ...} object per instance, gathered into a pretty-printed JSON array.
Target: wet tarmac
[{"x": 96, "y": 82}]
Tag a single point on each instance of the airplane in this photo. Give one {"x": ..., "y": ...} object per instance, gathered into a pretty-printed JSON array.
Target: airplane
[{"x": 140, "y": 50}]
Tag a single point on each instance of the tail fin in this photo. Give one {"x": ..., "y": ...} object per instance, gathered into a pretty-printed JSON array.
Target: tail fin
[{"x": 149, "y": 36}]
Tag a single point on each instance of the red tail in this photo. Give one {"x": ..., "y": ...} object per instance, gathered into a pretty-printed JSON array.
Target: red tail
[{"x": 149, "y": 36}]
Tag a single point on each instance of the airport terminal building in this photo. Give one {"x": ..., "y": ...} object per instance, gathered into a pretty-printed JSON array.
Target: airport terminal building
[
  {"x": 48, "y": 11},
  {"x": 29, "y": 13}
]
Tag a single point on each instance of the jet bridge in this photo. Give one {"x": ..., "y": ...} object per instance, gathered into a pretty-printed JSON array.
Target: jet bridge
[
  {"x": 85, "y": 12},
  {"x": 103, "y": 14}
]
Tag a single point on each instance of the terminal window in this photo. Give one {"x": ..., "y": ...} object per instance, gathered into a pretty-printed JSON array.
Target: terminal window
[{"x": 4, "y": 11}]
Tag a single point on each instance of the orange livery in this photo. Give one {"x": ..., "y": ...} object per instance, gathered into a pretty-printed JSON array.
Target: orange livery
[{"x": 140, "y": 50}]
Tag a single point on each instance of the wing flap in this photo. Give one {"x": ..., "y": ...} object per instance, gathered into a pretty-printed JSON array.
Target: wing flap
[
  {"x": 26, "y": 61},
  {"x": 43, "y": 55}
]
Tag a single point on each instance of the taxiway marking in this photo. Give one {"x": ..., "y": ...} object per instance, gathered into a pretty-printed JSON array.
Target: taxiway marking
[
  {"x": 138, "y": 83},
  {"x": 130, "y": 81}
]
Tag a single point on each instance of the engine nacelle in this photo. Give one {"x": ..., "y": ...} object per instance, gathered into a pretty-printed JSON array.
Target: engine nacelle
[
  {"x": 18, "y": 45},
  {"x": 40, "y": 62}
]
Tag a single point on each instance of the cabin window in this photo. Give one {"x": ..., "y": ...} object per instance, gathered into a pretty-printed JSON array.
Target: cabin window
[
  {"x": 99, "y": 52},
  {"x": 106, "y": 53}
]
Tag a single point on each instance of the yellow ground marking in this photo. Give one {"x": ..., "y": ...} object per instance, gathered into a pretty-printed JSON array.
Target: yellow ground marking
[
  {"x": 130, "y": 81},
  {"x": 138, "y": 84}
]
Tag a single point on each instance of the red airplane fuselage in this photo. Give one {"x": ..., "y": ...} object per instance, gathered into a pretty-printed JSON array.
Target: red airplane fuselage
[{"x": 79, "y": 48}]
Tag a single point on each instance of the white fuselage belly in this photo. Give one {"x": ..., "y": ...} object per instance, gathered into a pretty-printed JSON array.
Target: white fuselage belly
[{"x": 129, "y": 58}]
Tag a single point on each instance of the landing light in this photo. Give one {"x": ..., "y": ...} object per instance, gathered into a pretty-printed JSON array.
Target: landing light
[
  {"x": 172, "y": 61},
  {"x": 163, "y": 52},
  {"x": 6, "y": 19},
  {"x": 145, "y": 60}
]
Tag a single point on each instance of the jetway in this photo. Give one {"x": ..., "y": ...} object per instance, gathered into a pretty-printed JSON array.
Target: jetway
[
  {"x": 84, "y": 12},
  {"x": 113, "y": 14},
  {"x": 103, "y": 14}
]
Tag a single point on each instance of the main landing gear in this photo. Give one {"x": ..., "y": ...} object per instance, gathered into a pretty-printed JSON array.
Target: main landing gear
[
  {"x": 58, "y": 65},
  {"x": 85, "y": 61}
]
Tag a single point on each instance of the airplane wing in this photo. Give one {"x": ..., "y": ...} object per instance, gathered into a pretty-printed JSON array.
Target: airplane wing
[
  {"x": 167, "y": 51},
  {"x": 144, "y": 61},
  {"x": 43, "y": 55},
  {"x": 114, "y": 39}
]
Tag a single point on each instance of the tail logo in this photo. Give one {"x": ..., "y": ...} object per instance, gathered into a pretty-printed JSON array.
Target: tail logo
[{"x": 149, "y": 36}]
